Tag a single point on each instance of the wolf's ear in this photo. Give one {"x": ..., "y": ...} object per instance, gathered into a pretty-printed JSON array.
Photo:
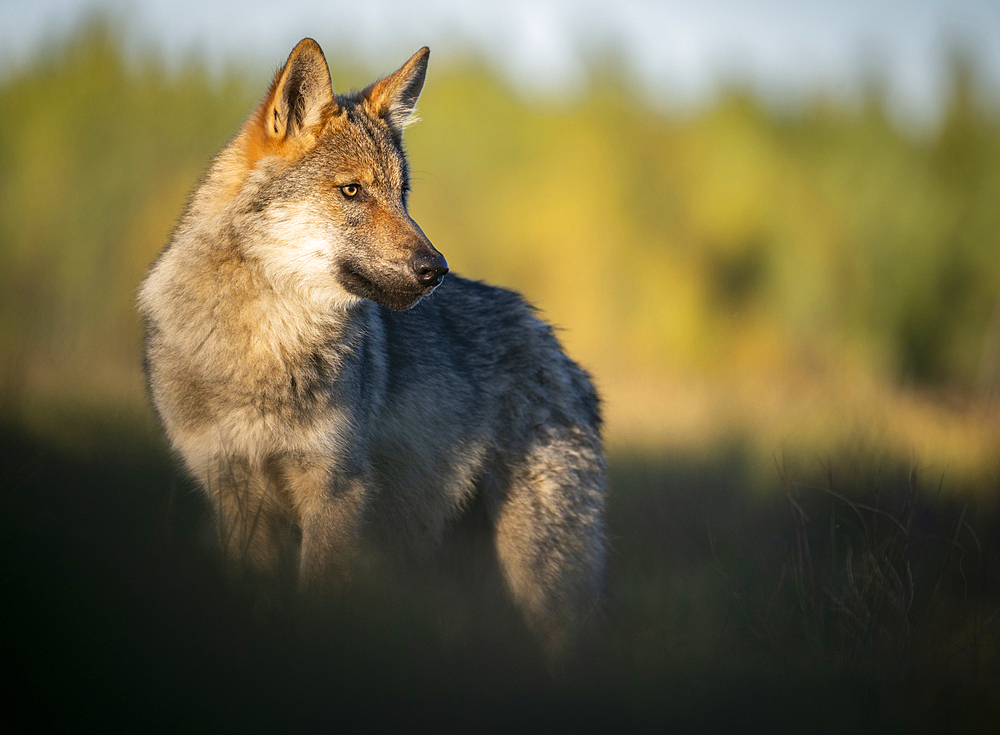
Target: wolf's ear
[
  {"x": 301, "y": 95},
  {"x": 394, "y": 97}
]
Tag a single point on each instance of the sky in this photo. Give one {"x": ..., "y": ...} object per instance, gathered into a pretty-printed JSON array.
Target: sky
[{"x": 679, "y": 51}]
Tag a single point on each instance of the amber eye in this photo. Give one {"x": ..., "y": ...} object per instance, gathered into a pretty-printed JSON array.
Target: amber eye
[{"x": 350, "y": 191}]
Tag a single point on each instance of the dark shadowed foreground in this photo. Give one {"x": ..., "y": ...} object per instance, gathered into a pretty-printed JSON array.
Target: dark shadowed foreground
[{"x": 840, "y": 596}]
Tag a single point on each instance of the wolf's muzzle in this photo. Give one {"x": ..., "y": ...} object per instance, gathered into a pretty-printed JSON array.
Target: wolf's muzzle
[{"x": 429, "y": 268}]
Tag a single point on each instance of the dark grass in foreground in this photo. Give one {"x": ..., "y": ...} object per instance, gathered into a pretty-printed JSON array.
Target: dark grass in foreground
[{"x": 843, "y": 596}]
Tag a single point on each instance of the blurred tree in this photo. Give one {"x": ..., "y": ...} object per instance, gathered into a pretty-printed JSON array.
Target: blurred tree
[{"x": 735, "y": 242}]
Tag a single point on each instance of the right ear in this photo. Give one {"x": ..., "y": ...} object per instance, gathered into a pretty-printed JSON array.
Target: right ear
[{"x": 300, "y": 98}]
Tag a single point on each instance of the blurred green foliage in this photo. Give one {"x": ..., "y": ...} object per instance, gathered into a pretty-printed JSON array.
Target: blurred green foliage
[
  {"x": 738, "y": 234},
  {"x": 738, "y": 239}
]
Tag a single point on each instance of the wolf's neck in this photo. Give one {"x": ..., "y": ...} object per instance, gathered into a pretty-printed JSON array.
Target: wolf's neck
[{"x": 282, "y": 313}]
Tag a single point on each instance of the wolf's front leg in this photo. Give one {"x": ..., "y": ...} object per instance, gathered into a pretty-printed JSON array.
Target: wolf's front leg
[
  {"x": 329, "y": 507},
  {"x": 251, "y": 521}
]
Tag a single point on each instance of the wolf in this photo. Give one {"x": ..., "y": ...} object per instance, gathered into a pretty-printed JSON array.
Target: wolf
[{"x": 329, "y": 386}]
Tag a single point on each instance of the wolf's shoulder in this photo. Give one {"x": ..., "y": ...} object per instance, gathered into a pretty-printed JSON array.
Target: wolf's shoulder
[{"x": 496, "y": 332}]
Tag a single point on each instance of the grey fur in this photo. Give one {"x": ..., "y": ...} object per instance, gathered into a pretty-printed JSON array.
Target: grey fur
[{"x": 310, "y": 380}]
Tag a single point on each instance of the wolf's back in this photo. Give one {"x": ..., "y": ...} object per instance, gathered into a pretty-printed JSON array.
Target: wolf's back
[{"x": 491, "y": 339}]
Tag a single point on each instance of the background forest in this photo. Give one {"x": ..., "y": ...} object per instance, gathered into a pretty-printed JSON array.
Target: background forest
[
  {"x": 797, "y": 275},
  {"x": 792, "y": 312}
]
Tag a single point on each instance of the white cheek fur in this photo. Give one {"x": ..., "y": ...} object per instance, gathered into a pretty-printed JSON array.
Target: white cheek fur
[{"x": 300, "y": 254}]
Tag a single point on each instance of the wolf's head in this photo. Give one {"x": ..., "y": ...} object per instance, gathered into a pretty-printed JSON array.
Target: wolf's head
[{"x": 324, "y": 182}]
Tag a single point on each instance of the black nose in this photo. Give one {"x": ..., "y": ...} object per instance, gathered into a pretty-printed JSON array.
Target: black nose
[{"x": 429, "y": 267}]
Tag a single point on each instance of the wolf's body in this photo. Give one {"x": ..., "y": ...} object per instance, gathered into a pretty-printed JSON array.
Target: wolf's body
[{"x": 311, "y": 380}]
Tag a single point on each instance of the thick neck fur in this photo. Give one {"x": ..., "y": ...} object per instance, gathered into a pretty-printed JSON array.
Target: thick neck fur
[{"x": 261, "y": 272}]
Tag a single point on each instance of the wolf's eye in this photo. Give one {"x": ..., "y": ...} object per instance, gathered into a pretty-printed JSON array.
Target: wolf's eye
[{"x": 350, "y": 191}]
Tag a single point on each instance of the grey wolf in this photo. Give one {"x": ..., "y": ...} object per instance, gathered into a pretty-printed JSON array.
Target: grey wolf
[{"x": 329, "y": 386}]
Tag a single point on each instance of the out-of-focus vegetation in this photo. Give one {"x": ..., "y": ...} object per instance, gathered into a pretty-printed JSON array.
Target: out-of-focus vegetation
[
  {"x": 800, "y": 276},
  {"x": 837, "y": 599},
  {"x": 741, "y": 281}
]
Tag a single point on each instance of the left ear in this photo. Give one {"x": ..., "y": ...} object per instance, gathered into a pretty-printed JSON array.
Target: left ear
[{"x": 394, "y": 97}]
